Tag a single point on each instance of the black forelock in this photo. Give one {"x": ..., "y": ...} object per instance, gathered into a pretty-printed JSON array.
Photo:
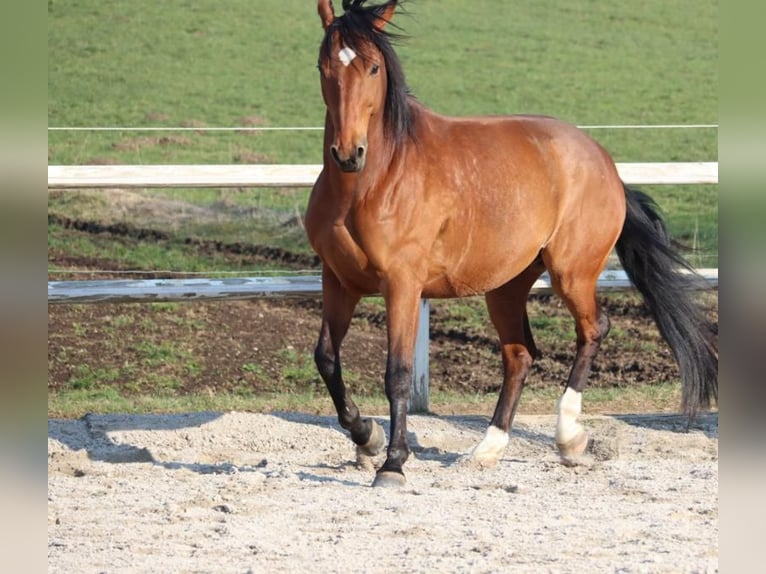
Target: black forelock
[{"x": 357, "y": 27}]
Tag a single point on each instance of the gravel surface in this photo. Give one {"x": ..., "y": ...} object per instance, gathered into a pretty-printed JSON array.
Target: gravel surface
[{"x": 242, "y": 492}]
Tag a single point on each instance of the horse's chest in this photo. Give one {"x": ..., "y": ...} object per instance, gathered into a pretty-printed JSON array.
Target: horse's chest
[{"x": 343, "y": 253}]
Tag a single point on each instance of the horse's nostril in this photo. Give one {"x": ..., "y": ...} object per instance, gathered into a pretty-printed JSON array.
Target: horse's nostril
[{"x": 354, "y": 161}]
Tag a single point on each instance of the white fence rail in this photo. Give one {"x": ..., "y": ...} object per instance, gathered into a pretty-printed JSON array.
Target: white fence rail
[
  {"x": 286, "y": 175},
  {"x": 192, "y": 176}
]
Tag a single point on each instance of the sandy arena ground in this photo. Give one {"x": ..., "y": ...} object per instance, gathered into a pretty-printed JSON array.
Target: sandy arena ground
[{"x": 240, "y": 492}]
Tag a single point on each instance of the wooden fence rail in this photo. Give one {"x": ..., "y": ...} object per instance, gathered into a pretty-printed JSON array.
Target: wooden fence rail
[
  {"x": 194, "y": 176},
  {"x": 286, "y": 175}
]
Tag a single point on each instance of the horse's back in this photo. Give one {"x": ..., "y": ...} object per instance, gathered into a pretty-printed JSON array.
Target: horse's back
[
  {"x": 538, "y": 161},
  {"x": 516, "y": 184}
]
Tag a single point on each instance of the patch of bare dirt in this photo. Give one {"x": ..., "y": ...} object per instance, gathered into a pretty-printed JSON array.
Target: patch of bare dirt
[{"x": 267, "y": 345}]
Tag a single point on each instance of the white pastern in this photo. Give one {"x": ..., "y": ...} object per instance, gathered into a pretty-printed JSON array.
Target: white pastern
[
  {"x": 491, "y": 447},
  {"x": 346, "y": 55},
  {"x": 569, "y": 408}
]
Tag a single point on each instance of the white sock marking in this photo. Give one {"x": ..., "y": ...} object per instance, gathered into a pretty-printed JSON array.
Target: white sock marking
[
  {"x": 569, "y": 408},
  {"x": 492, "y": 446},
  {"x": 346, "y": 55}
]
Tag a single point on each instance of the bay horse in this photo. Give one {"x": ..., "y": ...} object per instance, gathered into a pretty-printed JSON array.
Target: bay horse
[{"x": 413, "y": 204}]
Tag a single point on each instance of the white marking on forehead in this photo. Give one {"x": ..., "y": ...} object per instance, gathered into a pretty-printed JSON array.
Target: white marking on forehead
[{"x": 346, "y": 55}]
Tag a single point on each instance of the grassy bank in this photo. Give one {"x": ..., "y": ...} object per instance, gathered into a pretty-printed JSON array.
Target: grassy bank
[{"x": 640, "y": 398}]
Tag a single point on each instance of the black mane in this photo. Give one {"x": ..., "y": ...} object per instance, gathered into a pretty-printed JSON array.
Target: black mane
[{"x": 356, "y": 27}]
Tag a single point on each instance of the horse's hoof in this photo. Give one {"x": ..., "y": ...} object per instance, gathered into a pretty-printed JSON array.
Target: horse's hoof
[
  {"x": 376, "y": 442},
  {"x": 389, "y": 479},
  {"x": 571, "y": 451},
  {"x": 488, "y": 452},
  {"x": 469, "y": 461}
]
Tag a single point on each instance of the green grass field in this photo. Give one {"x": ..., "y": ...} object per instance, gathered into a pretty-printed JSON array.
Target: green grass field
[
  {"x": 240, "y": 62},
  {"x": 205, "y": 64},
  {"x": 243, "y": 63}
]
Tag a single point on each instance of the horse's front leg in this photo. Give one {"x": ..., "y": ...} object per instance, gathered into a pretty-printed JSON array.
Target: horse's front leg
[
  {"x": 338, "y": 306},
  {"x": 402, "y": 302}
]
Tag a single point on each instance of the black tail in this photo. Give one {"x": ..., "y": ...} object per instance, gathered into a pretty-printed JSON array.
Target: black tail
[{"x": 656, "y": 269}]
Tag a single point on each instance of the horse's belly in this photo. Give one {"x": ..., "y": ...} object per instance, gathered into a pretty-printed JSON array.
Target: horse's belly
[
  {"x": 479, "y": 271},
  {"x": 356, "y": 280}
]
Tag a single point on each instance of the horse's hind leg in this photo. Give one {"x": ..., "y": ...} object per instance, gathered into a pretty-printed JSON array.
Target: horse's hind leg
[
  {"x": 578, "y": 290},
  {"x": 337, "y": 309},
  {"x": 507, "y": 309}
]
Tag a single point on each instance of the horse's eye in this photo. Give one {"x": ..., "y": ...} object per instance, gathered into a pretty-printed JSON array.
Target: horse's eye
[{"x": 375, "y": 69}]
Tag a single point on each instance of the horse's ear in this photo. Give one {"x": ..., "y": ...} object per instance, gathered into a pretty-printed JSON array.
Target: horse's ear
[
  {"x": 326, "y": 13},
  {"x": 386, "y": 15}
]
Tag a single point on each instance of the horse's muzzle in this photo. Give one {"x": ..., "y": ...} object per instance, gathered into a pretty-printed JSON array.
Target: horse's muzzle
[{"x": 353, "y": 162}]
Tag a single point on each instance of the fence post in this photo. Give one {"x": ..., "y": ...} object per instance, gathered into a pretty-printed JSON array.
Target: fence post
[{"x": 419, "y": 391}]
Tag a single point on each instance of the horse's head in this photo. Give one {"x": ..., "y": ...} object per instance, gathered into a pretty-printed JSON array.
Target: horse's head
[{"x": 355, "y": 60}]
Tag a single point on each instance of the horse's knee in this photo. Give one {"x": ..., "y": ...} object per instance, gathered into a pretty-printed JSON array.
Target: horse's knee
[
  {"x": 523, "y": 356},
  {"x": 590, "y": 334},
  {"x": 324, "y": 361},
  {"x": 517, "y": 360}
]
